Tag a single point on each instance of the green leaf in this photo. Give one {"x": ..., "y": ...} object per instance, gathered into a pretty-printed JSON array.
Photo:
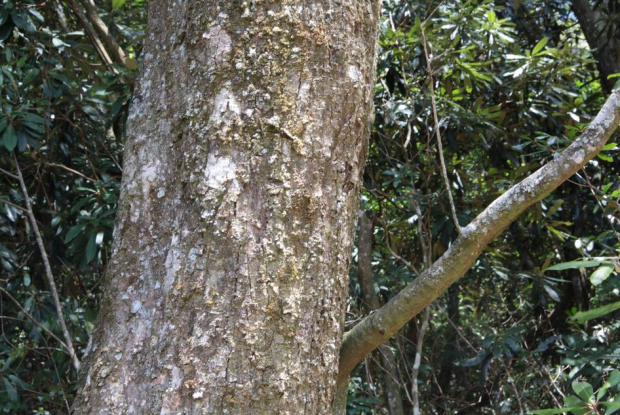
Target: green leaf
[
  {"x": 584, "y": 391},
  {"x": 73, "y": 232},
  {"x": 614, "y": 379},
  {"x": 605, "y": 158},
  {"x": 59, "y": 43},
  {"x": 584, "y": 316},
  {"x": 552, "y": 293},
  {"x": 10, "y": 390},
  {"x": 91, "y": 248},
  {"x": 117, "y": 3},
  {"x": 579, "y": 407},
  {"x": 30, "y": 75},
  {"x": 22, "y": 19},
  {"x": 555, "y": 411},
  {"x": 99, "y": 238},
  {"x": 612, "y": 407},
  {"x": 601, "y": 274},
  {"x": 573, "y": 265},
  {"x": 540, "y": 45},
  {"x": 3, "y": 122},
  {"x": 9, "y": 139}
]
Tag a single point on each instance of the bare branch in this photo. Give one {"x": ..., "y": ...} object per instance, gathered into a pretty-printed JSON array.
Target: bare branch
[
  {"x": 61, "y": 166},
  {"x": 101, "y": 50},
  {"x": 444, "y": 171},
  {"x": 48, "y": 269},
  {"x": 385, "y": 322},
  {"x": 32, "y": 319},
  {"x": 426, "y": 316},
  {"x": 118, "y": 54}
]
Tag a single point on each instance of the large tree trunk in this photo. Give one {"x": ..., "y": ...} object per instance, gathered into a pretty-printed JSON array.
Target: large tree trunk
[
  {"x": 247, "y": 136},
  {"x": 606, "y": 48}
]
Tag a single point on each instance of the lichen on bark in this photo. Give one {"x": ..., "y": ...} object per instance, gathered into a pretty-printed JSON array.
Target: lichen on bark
[{"x": 247, "y": 136}]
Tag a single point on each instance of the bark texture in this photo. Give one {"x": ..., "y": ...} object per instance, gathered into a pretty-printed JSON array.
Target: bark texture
[
  {"x": 227, "y": 285},
  {"x": 606, "y": 48}
]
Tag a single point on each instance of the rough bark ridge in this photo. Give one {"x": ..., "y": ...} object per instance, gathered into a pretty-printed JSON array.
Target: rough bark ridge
[{"x": 248, "y": 134}]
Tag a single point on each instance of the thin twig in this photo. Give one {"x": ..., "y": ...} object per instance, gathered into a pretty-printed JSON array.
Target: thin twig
[
  {"x": 101, "y": 50},
  {"x": 31, "y": 318},
  {"x": 11, "y": 175},
  {"x": 60, "y": 166},
  {"x": 12, "y": 204},
  {"x": 418, "y": 360},
  {"x": 48, "y": 268},
  {"x": 444, "y": 171},
  {"x": 394, "y": 254}
]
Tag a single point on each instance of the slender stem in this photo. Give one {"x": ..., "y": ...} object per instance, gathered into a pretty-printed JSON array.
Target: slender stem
[
  {"x": 426, "y": 315},
  {"x": 100, "y": 27},
  {"x": 60, "y": 166},
  {"x": 31, "y": 318},
  {"x": 103, "y": 53},
  {"x": 444, "y": 171},
  {"x": 48, "y": 268}
]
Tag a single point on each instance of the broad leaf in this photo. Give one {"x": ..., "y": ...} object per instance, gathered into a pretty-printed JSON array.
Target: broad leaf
[
  {"x": 584, "y": 316},
  {"x": 574, "y": 265},
  {"x": 601, "y": 274}
]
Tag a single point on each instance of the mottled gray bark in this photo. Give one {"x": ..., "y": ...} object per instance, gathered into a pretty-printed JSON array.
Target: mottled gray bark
[
  {"x": 606, "y": 49},
  {"x": 228, "y": 279},
  {"x": 389, "y": 368}
]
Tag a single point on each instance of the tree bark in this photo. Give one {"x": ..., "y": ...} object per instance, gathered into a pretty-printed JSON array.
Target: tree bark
[
  {"x": 606, "y": 49},
  {"x": 247, "y": 136},
  {"x": 389, "y": 369}
]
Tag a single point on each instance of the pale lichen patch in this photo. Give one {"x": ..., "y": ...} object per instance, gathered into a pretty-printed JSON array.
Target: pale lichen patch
[
  {"x": 225, "y": 109},
  {"x": 579, "y": 156},
  {"x": 219, "y": 170},
  {"x": 354, "y": 73}
]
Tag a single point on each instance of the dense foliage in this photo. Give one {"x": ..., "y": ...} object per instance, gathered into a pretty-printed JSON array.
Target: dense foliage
[
  {"x": 62, "y": 123},
  {"x": 532, "y": 325}
]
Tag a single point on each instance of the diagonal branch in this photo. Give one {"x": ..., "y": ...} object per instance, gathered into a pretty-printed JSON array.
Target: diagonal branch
[
  {"x": 379, "y": 326},
  {"x": 68, "y": 344},
  {"x": 118, "y": 54},
  {"x": 444, "y": 171},
  {"x": 32, "y": 319},
  {"x": 101, "y": 50}
]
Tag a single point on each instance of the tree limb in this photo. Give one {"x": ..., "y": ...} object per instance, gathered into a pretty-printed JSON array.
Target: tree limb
[
  {"x": 118, "y": 54},
  {"x": 379, "y": 326},
  {"x": 32, "y": 319},
  {"x": 48, "y": 269},
  {"x": 101, "y": 50},
  {"x": 444, "y": 171}
]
